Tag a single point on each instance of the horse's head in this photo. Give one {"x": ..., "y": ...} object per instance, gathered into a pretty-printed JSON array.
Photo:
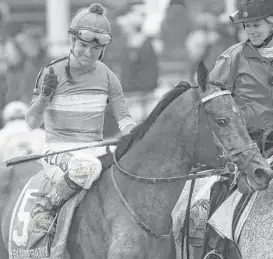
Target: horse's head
[{"x": 230, "y": 134}]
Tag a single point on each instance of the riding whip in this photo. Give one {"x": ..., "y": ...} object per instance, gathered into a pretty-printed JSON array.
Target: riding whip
[{"x": 24, "y": 159}]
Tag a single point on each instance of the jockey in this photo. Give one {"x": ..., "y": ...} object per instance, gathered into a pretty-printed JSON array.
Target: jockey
[
  {"x": 70, "y": 98},
  {"x": 246, "y": 68},
  {"x": 16, "y": 138}
]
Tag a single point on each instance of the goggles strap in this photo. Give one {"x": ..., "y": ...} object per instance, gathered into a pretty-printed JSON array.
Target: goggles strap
[
  {"x": 67, "y": 67},
  {"x": 101, "y": 55}
]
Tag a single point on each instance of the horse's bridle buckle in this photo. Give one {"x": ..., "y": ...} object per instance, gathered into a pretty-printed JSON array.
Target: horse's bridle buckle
[{"x": 235, "y": 172}]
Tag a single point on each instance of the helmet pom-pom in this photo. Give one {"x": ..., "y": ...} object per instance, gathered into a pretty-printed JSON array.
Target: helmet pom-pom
[{"x": 96, "y": 8}]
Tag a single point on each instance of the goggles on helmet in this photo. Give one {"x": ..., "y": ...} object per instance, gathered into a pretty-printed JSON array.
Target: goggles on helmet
[
  {"x": 91, "y": 34},
  {"x": 233, "y": 16}
]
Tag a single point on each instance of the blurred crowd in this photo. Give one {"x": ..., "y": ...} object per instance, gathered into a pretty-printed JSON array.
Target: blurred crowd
[
  {"x": 210, "y": 36},
  {"x": 135, "y": 55},
  {"x": 21, "y": 58}
]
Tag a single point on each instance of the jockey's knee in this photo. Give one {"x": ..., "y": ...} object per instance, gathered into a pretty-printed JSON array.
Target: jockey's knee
[
  {"x": 84, "y": 172},
  {"x": 54, "y": 173}
]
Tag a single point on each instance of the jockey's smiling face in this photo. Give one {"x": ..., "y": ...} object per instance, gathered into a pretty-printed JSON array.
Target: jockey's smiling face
[
  {"x": 87, "y": 53},
  {"x": 257, "y": 31}
]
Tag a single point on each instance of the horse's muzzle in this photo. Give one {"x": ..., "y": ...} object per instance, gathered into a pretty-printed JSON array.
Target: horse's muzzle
[
  {"x": 255, "y": 172},
  {"x": 262, "y": 179},
  {"x": 258, "y": 174}
]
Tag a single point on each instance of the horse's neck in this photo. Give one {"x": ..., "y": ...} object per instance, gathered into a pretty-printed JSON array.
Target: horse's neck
[
  {"x": 153, "y": 202},
  {"x": 166, "y": 150},
  {"x": 161, "y": 155}
]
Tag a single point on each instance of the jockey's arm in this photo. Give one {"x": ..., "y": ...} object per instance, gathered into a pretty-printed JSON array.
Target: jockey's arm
[
  {"x": 224, "y": 72},
  {"x": 119, "y": 106},
  {"x": 35, "y": 114},
  {"x": 128, "y": 123}
]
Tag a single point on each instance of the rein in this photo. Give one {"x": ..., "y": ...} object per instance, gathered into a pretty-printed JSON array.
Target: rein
[
  {"x": 228, "y": 169},
  {"x": 135, "y": 216},
  {"x": 201, "y": 174}
]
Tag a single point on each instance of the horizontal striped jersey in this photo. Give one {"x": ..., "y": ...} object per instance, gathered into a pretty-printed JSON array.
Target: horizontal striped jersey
[{"x": 76, "y": 111}]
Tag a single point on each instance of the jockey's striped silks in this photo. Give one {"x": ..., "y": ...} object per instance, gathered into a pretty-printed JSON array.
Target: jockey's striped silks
[{"x": 60, "y": 160}]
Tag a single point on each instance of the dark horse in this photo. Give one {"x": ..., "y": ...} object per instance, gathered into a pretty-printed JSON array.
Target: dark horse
[{"x": 125, "y": 216}]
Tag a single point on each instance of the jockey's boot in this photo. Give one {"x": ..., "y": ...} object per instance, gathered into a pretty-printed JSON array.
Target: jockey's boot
[{"x": 46, "y": 210}]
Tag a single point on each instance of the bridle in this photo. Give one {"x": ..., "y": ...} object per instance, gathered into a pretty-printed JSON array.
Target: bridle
[{"x": 225, "y": 154}]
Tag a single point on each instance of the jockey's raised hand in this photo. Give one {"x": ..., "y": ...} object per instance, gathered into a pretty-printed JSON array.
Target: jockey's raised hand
[
  {"x": 50, "y": 83},
  {"x": 44, "y": 90}
]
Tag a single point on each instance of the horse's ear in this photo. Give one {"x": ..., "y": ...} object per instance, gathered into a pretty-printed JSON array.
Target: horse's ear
[{"x": 202, "y": 75}]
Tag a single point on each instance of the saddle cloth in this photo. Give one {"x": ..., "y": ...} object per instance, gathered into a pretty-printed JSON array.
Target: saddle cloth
[
  {"x": 21, "y": 223},
  {"x": 199, "y": 205},
  {"x": 221, "y": 220}
]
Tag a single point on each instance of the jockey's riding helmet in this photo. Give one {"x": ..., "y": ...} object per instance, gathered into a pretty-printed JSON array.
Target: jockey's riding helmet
[
  {"x": 91, "y": 25},
  {"x": 14, "y": 110},
  {"x": 250, "y": 10}
]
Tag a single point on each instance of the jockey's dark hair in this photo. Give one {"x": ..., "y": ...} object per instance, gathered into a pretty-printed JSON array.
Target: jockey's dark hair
[{"x": 140, "y": 130}]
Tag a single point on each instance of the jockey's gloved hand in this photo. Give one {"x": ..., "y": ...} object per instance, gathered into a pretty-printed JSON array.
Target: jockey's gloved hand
[
  {"x": 82, "y": 168},
  {"x": 50, "y": 83}
]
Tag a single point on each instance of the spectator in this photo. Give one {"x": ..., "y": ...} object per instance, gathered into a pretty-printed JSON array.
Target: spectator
[{"x": 16, "y": 138}]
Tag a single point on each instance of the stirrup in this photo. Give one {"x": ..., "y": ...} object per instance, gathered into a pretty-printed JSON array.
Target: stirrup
[{"x": 52, "y": 228}]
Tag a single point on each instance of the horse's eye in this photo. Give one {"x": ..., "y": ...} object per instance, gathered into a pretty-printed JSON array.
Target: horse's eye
[{"x": 222, "y": 122}]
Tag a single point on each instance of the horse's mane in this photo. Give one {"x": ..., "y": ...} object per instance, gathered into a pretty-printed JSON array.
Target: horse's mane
[{"x": 140, "y": 130}]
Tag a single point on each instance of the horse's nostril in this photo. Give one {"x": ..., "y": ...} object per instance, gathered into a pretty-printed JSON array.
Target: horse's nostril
[{"x": 260, "y": 173}]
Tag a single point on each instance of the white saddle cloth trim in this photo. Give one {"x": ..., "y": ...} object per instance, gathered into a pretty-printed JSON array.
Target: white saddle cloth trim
[
  {"x": 13, "y": 216},
  {"x": 244, "y": 217},
  {"x": 221, "y": 219}
]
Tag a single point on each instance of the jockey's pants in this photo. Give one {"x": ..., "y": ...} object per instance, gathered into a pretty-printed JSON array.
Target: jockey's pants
[{"x": 83, "y": 168}]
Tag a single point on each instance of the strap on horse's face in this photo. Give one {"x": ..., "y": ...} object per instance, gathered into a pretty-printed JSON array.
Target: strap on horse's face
[{"x": 225, "y": 154}]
